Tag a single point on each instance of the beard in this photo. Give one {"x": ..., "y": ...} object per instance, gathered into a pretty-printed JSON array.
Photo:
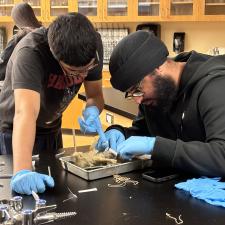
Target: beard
[{"x": 165, "y": 91}]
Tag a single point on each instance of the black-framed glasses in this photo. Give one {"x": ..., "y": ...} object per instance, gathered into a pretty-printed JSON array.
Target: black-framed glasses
[
  {"x": 80, "y": 72},
  {"x": 134, "y": 91}
]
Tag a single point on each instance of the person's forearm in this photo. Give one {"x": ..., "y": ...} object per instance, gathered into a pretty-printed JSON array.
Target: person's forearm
[
  {"x": 23, "y": 141},
  {"x": 97, "y": 101}
]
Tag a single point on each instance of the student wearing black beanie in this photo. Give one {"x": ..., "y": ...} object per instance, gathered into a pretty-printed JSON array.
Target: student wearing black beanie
[
  {"x": 135, "y": 56},
  {"x": 181, "y": 110}
]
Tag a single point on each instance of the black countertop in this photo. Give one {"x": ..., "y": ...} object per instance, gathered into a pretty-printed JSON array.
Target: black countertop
[
  {"x": 115, "y": 102},
  {"x": 144, "y": 204}
]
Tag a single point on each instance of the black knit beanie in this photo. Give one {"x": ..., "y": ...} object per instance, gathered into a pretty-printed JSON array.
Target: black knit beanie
[{"x": 134, "y": 57}]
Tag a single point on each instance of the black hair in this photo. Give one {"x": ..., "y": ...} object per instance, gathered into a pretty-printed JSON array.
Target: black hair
[
  {"x": 23, "y": 16},
  {"x": 72, "y": 39}
]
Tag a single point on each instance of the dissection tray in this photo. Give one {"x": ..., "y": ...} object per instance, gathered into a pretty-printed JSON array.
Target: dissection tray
[{"x": 93, "y": 173}]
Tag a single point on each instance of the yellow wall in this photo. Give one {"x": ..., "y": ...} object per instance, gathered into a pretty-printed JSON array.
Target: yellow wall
[{"x": 200, "y": 36}]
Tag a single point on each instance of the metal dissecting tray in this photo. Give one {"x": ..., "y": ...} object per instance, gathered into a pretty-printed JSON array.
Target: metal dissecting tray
[{"x": 103, "y": 171}]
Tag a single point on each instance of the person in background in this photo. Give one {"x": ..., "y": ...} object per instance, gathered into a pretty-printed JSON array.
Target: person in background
[
  {"x": 44, "y": 73},
  {"x": 181, "y": 119},
  {"x": 25, "y": 19}
]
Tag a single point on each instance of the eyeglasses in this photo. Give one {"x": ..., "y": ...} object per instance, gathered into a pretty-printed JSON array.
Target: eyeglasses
[
  {"x": 80, "y": 72},
  {"x": 134, "y": 91}
]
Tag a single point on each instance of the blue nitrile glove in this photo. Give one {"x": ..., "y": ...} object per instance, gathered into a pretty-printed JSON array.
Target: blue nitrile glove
[
  {"x": 26, "y": 181},
  {"x": 209, "y": 190},
  {"x": 92, "y": 123},
  {"x": 135, "y": 145},
  {"x": 113, "y": 137},
  {"x": 91, "y": 120}
]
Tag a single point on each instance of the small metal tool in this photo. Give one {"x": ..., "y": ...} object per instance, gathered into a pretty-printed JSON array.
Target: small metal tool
[
  {"x": 35, "y": 157},
  {"x": 35, "y": 195},
  {"x": 45, "y": 209},
  {"x": 73, "y": 196},
  {"x": 87, "y": 190},
  {"x": 51, "y": 217},
  {"x": 114, "y": 153},
  {"x": 17, "y": 203},
  {"x": 60, "y": 154},
  {"x": 27, "y": 217},
  {"x": 40, "y": 203},
  {"x": 49, "y": 171},
  {"x": 74, "y": 139},
  {"x": 140, "y": 157},
  {"x": 72, "y": 193},
  {"x": 3, "y": 209}
]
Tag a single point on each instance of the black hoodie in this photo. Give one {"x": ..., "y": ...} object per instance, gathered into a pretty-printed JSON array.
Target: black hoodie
[{"x": 191, "y": 136}]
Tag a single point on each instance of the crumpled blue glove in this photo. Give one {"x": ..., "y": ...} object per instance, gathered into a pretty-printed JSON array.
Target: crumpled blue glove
[
  {"x": 113, "y": 137},
  {"x": 209, "y": 190},
  {"x": 135, "y": 145},
  {"x": 26, "y": 181},
  {"x": 91, "y": 122}
]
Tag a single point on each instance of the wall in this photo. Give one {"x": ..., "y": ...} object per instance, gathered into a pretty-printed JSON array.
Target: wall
[{"x": 200, "y": 36}]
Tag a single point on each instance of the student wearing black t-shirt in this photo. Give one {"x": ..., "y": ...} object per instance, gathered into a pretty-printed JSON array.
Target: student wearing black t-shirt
[
  {"x": 25, "y": 19},
  {"x": 43, "y": 75}
]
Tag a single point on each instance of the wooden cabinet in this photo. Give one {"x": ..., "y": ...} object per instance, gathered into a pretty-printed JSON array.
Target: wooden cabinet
[
  {"x": 5, "y": 9},
  {"x": 163, "y": 10},
  {"x": 212, "y": 10},
  {"x": 148, "y": 10},
  {"x": 124, "y": 10},
  {"x": 48, "y": 10},
  {"x": 7, "y": 5},
  {"x": 91, "y": 8},
  {"x": 117, "y": 10},
  {"x": 181, "y": 10},
  {"x": 54, "y": 8}
]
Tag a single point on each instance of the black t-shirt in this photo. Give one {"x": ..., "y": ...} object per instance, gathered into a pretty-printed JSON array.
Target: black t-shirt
[
  {"x": 33, "y": 67},
  {"x": 5, "y": 55}
]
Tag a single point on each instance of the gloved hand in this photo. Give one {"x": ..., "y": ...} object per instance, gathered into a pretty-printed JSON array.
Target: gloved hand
[
  {"x": 91, "y": 120},
  {"x": 135, "y": 145},
  {"x": 113, "y": 137},
  {"x": 26, "y": 181},
  {"x": 209, "y": 190},
  {"x": 92, "y": 123}
]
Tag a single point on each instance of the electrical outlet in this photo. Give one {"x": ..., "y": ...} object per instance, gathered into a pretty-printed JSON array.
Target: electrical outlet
[{"x": 109, "y": 118}]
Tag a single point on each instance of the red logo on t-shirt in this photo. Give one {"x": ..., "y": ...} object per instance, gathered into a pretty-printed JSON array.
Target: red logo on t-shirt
[{"x": 61, "y": 82}]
